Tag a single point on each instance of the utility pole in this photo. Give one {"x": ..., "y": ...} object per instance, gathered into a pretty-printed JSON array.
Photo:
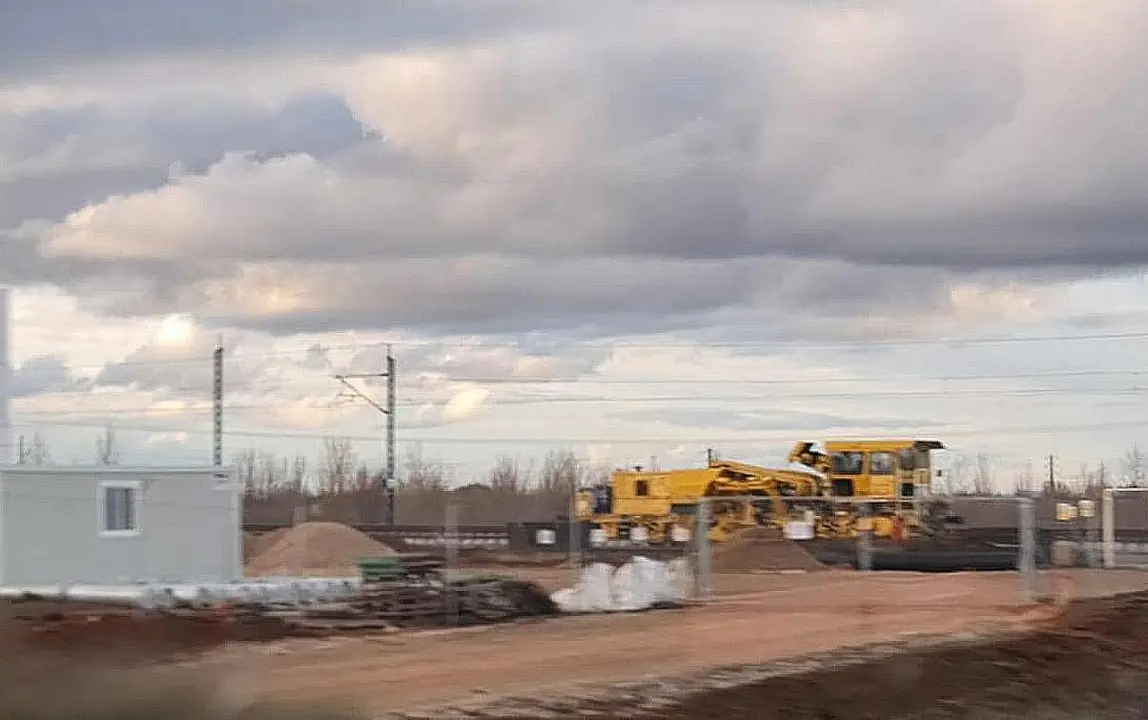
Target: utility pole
[
  {"x": 388, "y": 411},
  {"x": 1052, "y": 475},
  {"x": 217, "y": 406}
]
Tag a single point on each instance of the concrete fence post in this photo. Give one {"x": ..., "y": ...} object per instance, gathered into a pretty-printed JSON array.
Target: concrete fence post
[
  {"x": 702, "y": 563},
  {"x": 451, "y": 543},
  {"x": 1026, "y": 562},
  {"x": 865, "y": 539},
  {"x": 1108, "y": 527},
  {"x": 574, "y": 549}
]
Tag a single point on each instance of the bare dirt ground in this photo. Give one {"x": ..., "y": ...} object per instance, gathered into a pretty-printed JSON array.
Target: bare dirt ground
[{"x": 755, "y": 619}]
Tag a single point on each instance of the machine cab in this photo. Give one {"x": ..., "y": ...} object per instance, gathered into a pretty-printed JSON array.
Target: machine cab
[
  {"x": 595, "y": 500},
  {"x": 880, "y": 468}
]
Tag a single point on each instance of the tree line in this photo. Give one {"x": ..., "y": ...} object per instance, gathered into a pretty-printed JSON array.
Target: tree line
[{"x": 340, "y": 487}]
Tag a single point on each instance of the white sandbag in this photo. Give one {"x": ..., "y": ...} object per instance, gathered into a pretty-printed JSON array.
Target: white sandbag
[
  {"x": 639, "y": 584},
  {"x": 590, "y": 594},
  {"x": 680, "y": 574},
  {"x": 622, "y": 590}
]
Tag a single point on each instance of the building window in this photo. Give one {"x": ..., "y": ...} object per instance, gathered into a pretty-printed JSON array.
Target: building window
[
  {"x": 119, "y": 511},
  {"x": 641, "y": 488}
]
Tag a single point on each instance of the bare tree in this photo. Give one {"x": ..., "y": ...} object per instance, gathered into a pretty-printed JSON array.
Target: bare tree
[
  {"x": 340, "y": 460},
  {"x": 245, "y": 468},
  {"x": 1135, "y": 467},
  {"x": 107, "y": 451},
  {"x": 1085, "y": 479},
  {"x": 267, "y": 477},
  {"x": 561, "y": 472},
  {"x": 505, "y": 476},
  {"x": 423, "y": 474},
  {"x": 983, "y": 477},
  {"x": 295, "y": 474},
  {"x": 955, "y": 479},
  {"x": 1025, "y": 480}
]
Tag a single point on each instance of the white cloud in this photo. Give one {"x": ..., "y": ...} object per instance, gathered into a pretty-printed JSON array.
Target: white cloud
[{"x": 975, "y": 302}]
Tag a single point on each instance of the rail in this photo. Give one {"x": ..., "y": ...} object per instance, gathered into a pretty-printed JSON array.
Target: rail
[{"x": 554, "y": 537}]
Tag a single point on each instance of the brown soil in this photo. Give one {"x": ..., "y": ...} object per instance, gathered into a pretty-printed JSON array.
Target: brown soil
[
  {"x": 81, "y": 629},
  {"x": 256, "y": 545},
  {"x": 759, "y": 618},
  {"x": 733, "y": 658},
  {"x": 762, "y": 549},
  {"x": 317, "y": 548},
  {"x": 1089, "y": 662}
]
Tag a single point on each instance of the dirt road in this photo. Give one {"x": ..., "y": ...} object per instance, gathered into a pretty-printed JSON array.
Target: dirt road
[{"x": 754, "y": 619}]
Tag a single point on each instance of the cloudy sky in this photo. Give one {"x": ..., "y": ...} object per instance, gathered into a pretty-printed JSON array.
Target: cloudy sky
[{"x": 629, "y": 229}]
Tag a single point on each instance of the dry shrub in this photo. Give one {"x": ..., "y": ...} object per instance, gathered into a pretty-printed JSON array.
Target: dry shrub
[{"x": 124, "y": 683}]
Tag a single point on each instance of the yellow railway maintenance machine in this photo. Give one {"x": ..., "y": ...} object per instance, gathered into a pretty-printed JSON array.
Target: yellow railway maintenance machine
[
  {"x": 891, "y": 477},
  {"x": 894, "y": 478},
  {"x": 660, "y": 506}
]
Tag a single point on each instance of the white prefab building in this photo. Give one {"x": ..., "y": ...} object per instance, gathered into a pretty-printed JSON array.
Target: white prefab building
[{"x": 108, "y": 525}]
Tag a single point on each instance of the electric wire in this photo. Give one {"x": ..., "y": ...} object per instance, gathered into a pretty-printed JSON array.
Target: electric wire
[
  {"x": 608, "y": 344},
  {"x": 703, "y": 437}
]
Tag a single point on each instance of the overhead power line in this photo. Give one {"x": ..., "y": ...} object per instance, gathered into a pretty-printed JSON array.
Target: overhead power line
[
  {"x": 774, "y": 399},
  {"x": 594, "y": 380},
  {"x": 605, "y": 344},
  {"x": 702, "y": 438}
]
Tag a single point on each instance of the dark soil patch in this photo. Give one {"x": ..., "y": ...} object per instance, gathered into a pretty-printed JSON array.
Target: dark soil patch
[{"x": 1093, "y": 659}]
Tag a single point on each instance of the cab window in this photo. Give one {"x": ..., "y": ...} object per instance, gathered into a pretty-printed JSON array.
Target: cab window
[
  {"x": 882, "y": 463},
  {"x": 908, "y": 459},
  {"x": 848, "y": 463},
  {"x": 641, "y": 488}
]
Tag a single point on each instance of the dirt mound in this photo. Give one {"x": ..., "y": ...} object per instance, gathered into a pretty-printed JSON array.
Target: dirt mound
[
  {"x": 317, "y": 548},
  {"x": 255, "y": 545},
  {"x": 761, "y": 548}
]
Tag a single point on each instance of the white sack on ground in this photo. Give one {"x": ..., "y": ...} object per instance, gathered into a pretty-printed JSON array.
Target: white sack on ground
[
  {"x": 639, "y": 584},
  {"x": 590, "y": 594}
]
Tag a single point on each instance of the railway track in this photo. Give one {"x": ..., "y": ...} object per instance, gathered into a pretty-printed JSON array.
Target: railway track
[
  {"x": 418, "y": 537},
  {"x": 524, "y": 538}
]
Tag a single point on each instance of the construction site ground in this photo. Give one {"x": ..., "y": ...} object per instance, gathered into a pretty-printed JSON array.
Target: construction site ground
[{"x": 754, "y": 618}]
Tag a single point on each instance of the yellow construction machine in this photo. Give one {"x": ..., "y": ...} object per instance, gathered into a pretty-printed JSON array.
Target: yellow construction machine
[
  {"x": 660, "y": 506},
  {"x": 823, "y": 490},
  {"x": 893, "y": 479}
]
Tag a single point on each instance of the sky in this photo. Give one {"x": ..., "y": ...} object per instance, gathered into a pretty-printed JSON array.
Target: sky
[{"x": 633, "y": 230}]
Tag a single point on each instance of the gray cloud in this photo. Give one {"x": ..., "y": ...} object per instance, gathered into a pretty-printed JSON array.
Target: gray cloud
[
  {"x": 57, "y": 160},
  {"x": 40, "y": 375},
  {"x": 182, "y": 367},
  {"x": 697, "y": 159},
  {"x": 39, "y": 38}
]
